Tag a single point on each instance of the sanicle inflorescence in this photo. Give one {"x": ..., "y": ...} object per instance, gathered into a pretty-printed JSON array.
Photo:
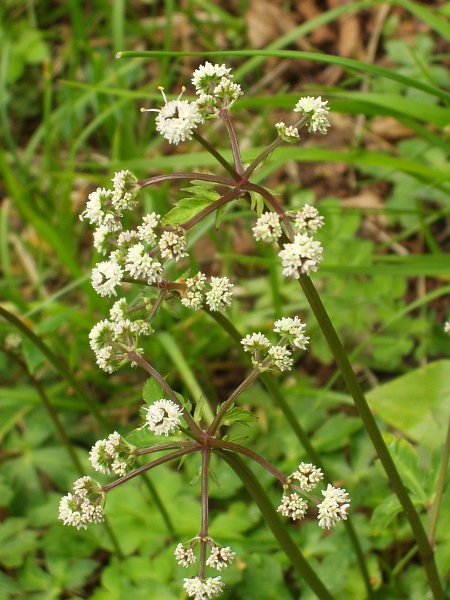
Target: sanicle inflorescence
[{"x": 141, "y": 256}]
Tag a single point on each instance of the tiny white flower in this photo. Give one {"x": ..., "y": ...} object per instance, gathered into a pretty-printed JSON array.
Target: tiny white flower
[
  {"x": 447, "y": 327},
  {"x": 334, "y": 507},
  {"x": 293, "y": 506},
  {"x": 208, "y": 76},
  {"x": 141, "y": 264},
  {"x": 101, "y": 335},
  {"x": 316, "y": 110},
  {"x": 146, "y": 231},
  {"x": 173, "y": 245},
  {"x": 192, "y": 296},
  {"x": 184, "y": 556},
  {"x": 119, "y": 310},
  {"x": 268, "y": 227},
  {"x": 307, "y": 476},
  {"x": 177, "y": 119},
  {"x": 105, "y": 276},
  {"x": 293, "y": 331},
  {"x": 125, "y": 190},
  {"x": 227, "y": 92},
  {"x": 201, "y": 589},
  {"x": 280, "y": 356},
  {"x": 220, "y": 558},
  {"x": 84, "y": 505},
  {"x": 102, "y": 239},
  {"x": 289, "y": 134},
  {"x": 96, "y": 206},
  {"x": 303, "y": 255},
  {"x": 163, "y": 417},
  {"x": 308, "y": 219},
  {"x": 219, "y": 296},
  {"x": 254, "y": 342}
]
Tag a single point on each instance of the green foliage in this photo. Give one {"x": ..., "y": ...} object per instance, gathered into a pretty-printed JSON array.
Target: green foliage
[{"x": 69, "y": 118}]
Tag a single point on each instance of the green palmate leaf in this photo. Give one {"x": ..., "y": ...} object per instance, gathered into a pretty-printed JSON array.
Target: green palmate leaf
[
  {"x": 385, "y": 512},
  {"x": 238, "y": 415},
  {"x": 187, "y": 208},
  {"x": 417, "y": 404},
  {"x": 151, "y": 392}
]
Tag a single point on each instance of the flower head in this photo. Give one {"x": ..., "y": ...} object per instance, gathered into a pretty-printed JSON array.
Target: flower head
[
  {"x": 219, "y": 296},
  {"x": 268, "y": 227},
  {"x": 163, "y": 417},
  {"x": 208, "y": 76},
  {"x": 105, "y": 276},
  {"x": 125, "y": 190},
  {"x": 293, "y": 331},
  {"x": 447, "y": 327},
  {"x": 146, "y": 231},
  {"x": 177, "y": 119},
  {"x": 192, "y": 296},
  {"x": 112, "y": 454},
  {"x": 293, "y": 506},
  {"x": 141, "y": 264},
  {"x": 288, "y": 134},
  {"x": 173, "y": 245},
  {"x": 184, "y": 556},
  {"x": 220, "y": 558},
  {"x": 302, "y": 256},
  {"x": 255, "y": 342},
  {"x": 308, "y": 220},
  {"x": 202, "y": 589},
  {"x": 334, "y": 507},
  {"x": 281, "y": 358},
  {"x": 84, "y": 505},
  {"x": 307, "y": 476},
  {"x": 316, "y": 111}
]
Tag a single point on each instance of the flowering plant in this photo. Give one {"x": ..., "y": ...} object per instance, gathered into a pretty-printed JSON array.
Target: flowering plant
[{"x": 146, "y": 256}]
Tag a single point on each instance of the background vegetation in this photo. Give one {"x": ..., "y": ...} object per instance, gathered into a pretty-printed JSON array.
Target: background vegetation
[{"x": 69, "y": 114}]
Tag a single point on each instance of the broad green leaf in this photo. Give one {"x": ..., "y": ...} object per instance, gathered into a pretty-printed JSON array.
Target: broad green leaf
[
  {"x": 405, "y": 457},
  {"x": 239, "y": 415},
  {"x": 417, "y": 404},
  {"x": 151, "y": 391},
  {"x": 385, "y": 512},
  {"x": 335, "y": 432}
]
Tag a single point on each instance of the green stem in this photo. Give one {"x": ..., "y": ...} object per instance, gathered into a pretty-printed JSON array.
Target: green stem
[
  {"x": 303, "y": 438},
  {"x": 442, "y": 479},
  {"x": 368, "y": 420},
  {"x": 280, "y": 532},
  {"x": 225, "y": 164},
  {"x": 57, "y": 365}
]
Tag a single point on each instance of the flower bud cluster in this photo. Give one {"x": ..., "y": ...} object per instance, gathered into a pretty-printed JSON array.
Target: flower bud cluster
[
  {"x": 267, "y": 356},
  {"x": 215, "y": 89},
  {"x": 333, "y": 508},
  {"x": 163, "y": 417},
  {"x": 84, "y": 506},
  {"x": 304, "y": 254},
  {"x": 113, "y": 339},
  {"x": 113, "y": 454},
  {"x": 219, "y": 558}
]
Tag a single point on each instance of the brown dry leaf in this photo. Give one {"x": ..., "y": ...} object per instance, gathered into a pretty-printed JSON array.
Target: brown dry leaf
[
  {"x": 365, "y": 200},
  {"x": 266, "y": 21},
  {"x": 390, "y": 129},
  {"x": 308, "y": 10}
]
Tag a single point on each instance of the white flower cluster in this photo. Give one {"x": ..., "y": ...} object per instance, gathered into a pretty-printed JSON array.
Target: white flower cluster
[
  {"x": 104, "y": 206},
  {"x": 305, "y": 479},
  {"x": 289, "y": 133},
  {"x": 265, "y": 356},
  {"x": 113, "y": 339},
  {"x": 113, "y": 454},
  {"x": 84, "y": 506},
  {"x": 334, "y": 507},
  {"x": 268, "y": 227},
  {"x": 177, "y": 119},
  {"x": 220, "y": 557},
  {"x": 316, "y": 110},
  {"x": 201, "y": 589},
  {"x": 214, "y": 88},
  {"x": 307, "y": 476},
  {"x": 293, "y": 506},
  {"x": 302, "y": 256},
  {"x": 163, "y": 417},
  {"x": 447, "y": 327}
]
